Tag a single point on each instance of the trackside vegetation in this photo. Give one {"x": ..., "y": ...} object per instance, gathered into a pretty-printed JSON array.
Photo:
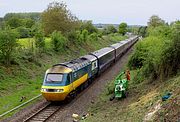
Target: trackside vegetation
[{"x": 154, "y": 66}]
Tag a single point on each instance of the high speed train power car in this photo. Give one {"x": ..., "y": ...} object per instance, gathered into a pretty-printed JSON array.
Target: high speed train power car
[{"x": 63, "y": 81}]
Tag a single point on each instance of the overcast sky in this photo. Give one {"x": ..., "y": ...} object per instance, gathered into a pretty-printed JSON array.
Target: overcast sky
[{"x": 103, "y": 11}]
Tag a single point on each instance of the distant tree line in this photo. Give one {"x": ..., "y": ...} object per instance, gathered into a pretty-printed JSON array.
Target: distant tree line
[{"x": 56, "y": 22}]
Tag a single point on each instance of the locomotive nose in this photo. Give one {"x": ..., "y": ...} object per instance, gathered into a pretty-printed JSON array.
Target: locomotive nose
[{"x": 54, "y": 96}]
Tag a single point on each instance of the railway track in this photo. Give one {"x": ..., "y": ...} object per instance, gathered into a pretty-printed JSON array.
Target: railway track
[{"x": 44, "y": 113}]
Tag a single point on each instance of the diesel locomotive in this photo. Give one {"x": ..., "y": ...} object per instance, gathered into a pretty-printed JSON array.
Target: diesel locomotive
[{"x": 63, "y": 81}]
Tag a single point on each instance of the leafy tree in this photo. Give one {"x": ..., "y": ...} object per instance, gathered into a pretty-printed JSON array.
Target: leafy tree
[
  {"x": 29, "y": 23},
  {"x": 123, "y": 28},
  {"x": 58, "y": 41},
  {"x": 58, "y": 17},
  {"x": 23, "y": 32},
  {"x": 109, "y": 29},
  {"x": 31, "y": 15},
  {"x": 171, "y": 53},
  {"x": 14, "y": 22},
  {"x": 7, "y": 45},
  {"x": 39, "y": 41},
  {"x": 142, "y": 31},
  {"x": 87, "y": 25},
  {"x": 155, "y": 21}
]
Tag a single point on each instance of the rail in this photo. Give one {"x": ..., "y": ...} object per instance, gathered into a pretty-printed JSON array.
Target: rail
[{"x": 17, "y": 107}]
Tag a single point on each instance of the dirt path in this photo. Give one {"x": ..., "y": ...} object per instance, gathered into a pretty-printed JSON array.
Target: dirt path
[{"x": 81, "y": 104}]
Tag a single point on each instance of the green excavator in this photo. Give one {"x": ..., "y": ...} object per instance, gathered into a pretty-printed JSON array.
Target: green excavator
[{"x": 121, "y": 86}]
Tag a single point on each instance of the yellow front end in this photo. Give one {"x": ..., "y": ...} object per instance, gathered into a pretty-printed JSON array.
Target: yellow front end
[{"x": 54, "y": 93}]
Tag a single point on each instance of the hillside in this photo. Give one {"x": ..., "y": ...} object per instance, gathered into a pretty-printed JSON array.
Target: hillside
[{"x": 144, "y": 103}]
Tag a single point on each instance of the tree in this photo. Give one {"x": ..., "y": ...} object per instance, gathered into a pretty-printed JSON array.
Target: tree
[
  {"x": 87, "y": 25},
  {"x": 23, "y": 32},
  {"x": 155, "y": 21},
  {"x": 28, "y": 23},
  {"x": 58, "y": 17},
  {"x": 39, "y": 41},
  {"x": 7, "y": 45},
  {"x": 123, "y": 28},
  {"x": 109, "y": 29},
  {"x": 14, "y": 22},
  {"x": 58, "y": 41}
]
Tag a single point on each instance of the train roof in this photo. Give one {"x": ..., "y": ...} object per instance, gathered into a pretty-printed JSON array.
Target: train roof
[
  {"x": 117, "y": 45},
  {"x": 102, "y": 51},
  {"x": 59, "y": 69},
  {"x": 90, "y": 57},
  {"x": 75, "y": 64}
]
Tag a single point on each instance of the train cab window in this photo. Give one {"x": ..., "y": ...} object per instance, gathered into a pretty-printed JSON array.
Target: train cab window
[{"x": 54, "y": 78}]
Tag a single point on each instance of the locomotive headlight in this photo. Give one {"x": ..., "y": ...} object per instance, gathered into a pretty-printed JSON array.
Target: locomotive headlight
[
  {"x": 43, "y": 90},
  {"x": 60, "y": 90}
]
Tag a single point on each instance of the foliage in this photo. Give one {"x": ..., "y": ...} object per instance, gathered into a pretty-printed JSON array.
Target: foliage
[
  {"x": 23, "y": 32},
  {"x": 14, "y": 22},
  {"x": 87, "y": 25},
  {"x": 58, "y": 41},
  {"x": 31, "y": 15},
  {"x": 123, "y": 28},
  {"x": 93, "y": 37},
  {"x": 171, "y": 53},
  {"x": 142, "y": 31},
  {"x": 58, "y": 17},
  {"x": 109, "y": 29},
  {"x": 40, "y": 41},
  {"x": 155, "y": 21},
  {"x": 7, "y": 45},
  {"x": 157, "y": 56},
  {"x": 84, "y": 35},
  {"x": 28, "y": 23},
  {"x": 72, "y": 36}
]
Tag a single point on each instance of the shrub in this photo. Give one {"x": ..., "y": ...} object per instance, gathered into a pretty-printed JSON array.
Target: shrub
[
  {"x": 39, "y": 41},
  {"x": 7, "y": 45},
  {"x": 171, "y": 53},
  {"x": 23, "y": 32},
  {"x": 147, "y": 56},
  {"x": 93, "y": 37},
  {"x": 58, "y": 41}
]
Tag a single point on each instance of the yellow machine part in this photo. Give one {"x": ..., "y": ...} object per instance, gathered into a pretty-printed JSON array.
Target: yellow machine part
[{"x": 59, "y": 96}]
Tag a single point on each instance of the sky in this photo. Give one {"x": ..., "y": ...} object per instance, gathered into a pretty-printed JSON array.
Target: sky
[{"x": 133, "y": 12}]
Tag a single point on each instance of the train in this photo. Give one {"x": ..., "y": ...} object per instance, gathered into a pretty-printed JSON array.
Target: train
[{"x": 64, "y": 80}]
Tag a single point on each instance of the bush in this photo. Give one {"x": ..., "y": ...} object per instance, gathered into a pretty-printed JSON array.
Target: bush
[
  {"x": 39, "y": 41},
  {"x": 8, "y": 45},
  {"x": 23, "y": 32},
  {"x": 147, "y": 56},
  {"x": 171, "y": 53},
  {"x": 93, "y": 37},
  {"x": 58, "y": 40}
]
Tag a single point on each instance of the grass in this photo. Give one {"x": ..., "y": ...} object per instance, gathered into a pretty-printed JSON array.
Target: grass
[
  {"x": 25, "y": 79},
  {"x": 141, "y": 101},
  {"x": 29, "y": 42}
]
